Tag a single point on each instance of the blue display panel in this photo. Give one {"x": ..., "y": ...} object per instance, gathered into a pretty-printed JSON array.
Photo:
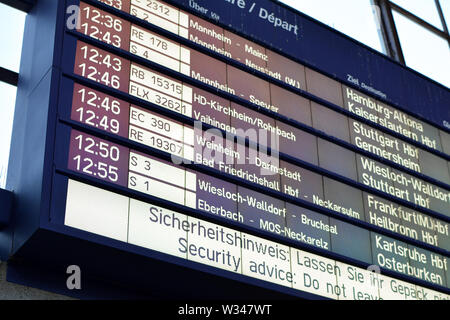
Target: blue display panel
[{"x": 191, "y": 138}]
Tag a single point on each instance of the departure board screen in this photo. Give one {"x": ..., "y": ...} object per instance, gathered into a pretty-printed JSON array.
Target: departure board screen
[{"x": 274, "y": 170}]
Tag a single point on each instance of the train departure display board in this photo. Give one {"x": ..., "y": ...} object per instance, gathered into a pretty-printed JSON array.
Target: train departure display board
[{"x": 211, "y": 133}]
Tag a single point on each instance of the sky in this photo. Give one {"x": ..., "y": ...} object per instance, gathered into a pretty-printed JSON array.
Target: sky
[
  {"x": 12, "y": 21},
  {"x": 344, "y": 15},
  {"x": 357, "y": 18},
  {"x": 423, "y": 9},
  {"x": 423, "y": 51},
  {"x": 417, "y": 42}
]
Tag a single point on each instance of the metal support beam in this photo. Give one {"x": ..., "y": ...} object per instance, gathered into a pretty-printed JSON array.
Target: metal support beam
[
  {"x": 6, "y": 202},
  {"x": 419, "y": 21},
  {"x": 9, "y": 76},
  {"x": 441, "y": 15},
  {"x": 445, "y": 24},
  {"x": 392, "y": 41}
]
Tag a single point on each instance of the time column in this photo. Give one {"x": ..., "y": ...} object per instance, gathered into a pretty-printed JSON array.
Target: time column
[
  {"x": 101, "y": 25},
  {"x": 98, "y": 158},
  {"x": 102, "y": 67}
]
